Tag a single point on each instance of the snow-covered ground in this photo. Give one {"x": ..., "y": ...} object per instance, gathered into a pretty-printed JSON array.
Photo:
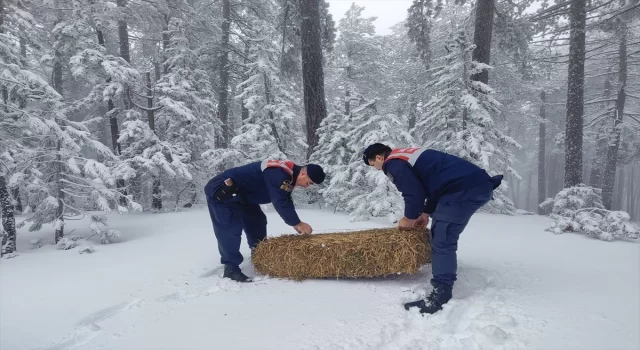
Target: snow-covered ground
[{"x": 159, "y": 287}]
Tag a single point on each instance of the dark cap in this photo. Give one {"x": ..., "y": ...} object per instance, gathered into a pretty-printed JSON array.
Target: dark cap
[{"x": 315, "y": 173}]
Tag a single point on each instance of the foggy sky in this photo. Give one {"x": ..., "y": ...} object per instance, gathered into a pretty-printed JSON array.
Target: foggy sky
[{"x": 389, "y": 12}]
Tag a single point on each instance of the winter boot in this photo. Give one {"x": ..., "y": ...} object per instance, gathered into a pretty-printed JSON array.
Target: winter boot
[
  {"x": 234, "y": 273},
  {"x": 439, "y": 296}
]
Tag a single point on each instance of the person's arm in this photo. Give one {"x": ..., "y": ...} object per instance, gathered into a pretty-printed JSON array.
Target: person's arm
[
  {"x": 409, "y": 185},
  {"x": 431, "y": 204},
  {"x": 280, "y": 198}
]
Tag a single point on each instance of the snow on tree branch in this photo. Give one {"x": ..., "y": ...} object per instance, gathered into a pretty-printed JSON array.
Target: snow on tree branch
[{"x": 580, "y": 209}]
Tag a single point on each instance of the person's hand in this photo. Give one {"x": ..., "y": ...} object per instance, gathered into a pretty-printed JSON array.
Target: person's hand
[
  {"x": 406, "y": 223},
  {"x": 422, "y": 221},
  {"x": 303, "y": 228}
]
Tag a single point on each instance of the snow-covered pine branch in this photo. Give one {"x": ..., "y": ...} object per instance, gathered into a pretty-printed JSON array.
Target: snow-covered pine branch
[
  {"x": 458, "y": 118},
  {"x": 353, "y": 186},
  {"x": 271, "y": 129},
  {"x": 580, "y": 209},
  {"x": 49, "y": 162}
]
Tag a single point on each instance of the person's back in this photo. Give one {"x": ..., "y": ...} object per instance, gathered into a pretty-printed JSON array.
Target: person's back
[
  {"x": 440, "y": 171},
  {"x": 250, "y": 180}
]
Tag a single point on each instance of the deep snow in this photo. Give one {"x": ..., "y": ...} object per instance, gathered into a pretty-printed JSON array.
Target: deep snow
[{"x": 159, "y": 287}]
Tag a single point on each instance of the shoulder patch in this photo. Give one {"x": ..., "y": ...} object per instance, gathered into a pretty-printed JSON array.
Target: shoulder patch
[{"x": 286, "y": 185}]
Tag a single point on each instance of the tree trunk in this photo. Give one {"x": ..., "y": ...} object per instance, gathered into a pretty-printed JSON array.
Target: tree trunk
[
  {"x": 347, "y": 100},
  {"x": 57, "y": 72},
  {"x": 156, "y": 193},
  {"x": 5, "y": 99},
  {"x": 123, "y": 38},
  {"x": 312, "y": 73},
  {"x": 8, "y": 220},
  {"x": 274, "y": 130},
  {"x": 482, "y": 36},
  {"x": 619, "y": 190},
  {"x": 618, "y": 113},
  {"x": 23, "y": 104},
  {"x": 575, "y": 96},
  {"x": 413, "y": 110},
  {"x": 16, "y": 197},
  {"x": 123, "y": 41},
  {"x": 156, "y": 187},
  {"x": 123, "y": 32},
  {"x": 59, "y": 223},
  {"x": 632, "y": 192},
  {"x": 595, "y": 178},
  {"x": 115, "y": 131},
  {"x": 244, "y": 111},
  {"x": 150, "y": 111},
  {"x": 156, "y": 69},
  {"x": 517, "y": 199},
  {"x": 223, "y": 92},
  {"x": 554, "y": 177},
  {"x": 113, "y": 117},
  {"x": 284, "y": 33},
  {"x": 1, "y": 16},
  {"x": 527, "y": 205},
  {"x": 612, "y": 153},
  {"x": 23, "y": 48},
  {"x": 542, "y": 130},
  {"x": 165, "y": 43},
  {"x": 5, "y": 92}
]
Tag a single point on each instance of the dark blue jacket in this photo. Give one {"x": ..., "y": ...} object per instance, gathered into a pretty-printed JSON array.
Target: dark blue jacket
[
  {"x": 434, "y": 174},
  {"x": 262, "y": 187}
]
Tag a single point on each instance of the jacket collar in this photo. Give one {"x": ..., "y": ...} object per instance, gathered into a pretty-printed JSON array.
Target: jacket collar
[{"x": 296, "y": 172}]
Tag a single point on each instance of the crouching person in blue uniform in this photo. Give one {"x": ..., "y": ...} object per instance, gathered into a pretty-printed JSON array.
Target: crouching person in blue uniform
[
  {"x": 234, "y": 199},
  {"x": 443, "y": 186}
]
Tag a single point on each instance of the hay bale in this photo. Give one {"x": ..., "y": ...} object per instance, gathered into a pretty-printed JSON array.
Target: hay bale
[{"x": 366, "y": 253}]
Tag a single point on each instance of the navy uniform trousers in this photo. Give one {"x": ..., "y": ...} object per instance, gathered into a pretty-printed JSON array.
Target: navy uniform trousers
[
  {"x": 229, "y": 218},
  {"x": 449, "y": 220}
]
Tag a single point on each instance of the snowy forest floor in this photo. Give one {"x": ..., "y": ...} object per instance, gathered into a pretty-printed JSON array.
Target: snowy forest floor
[{"x": 159, "y": 287}]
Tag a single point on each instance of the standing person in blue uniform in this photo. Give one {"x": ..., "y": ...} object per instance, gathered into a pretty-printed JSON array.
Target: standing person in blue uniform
[
  {"x": 444, "y": 187},
  {"x": 234, "y": 199}
]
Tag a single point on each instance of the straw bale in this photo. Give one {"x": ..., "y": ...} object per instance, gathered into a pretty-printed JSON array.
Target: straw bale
[{"x": 352, "y": 254}]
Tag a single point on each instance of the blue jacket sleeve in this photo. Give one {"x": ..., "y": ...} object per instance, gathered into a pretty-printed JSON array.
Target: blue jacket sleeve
[
  {"x": 280, "y": 198},
  {"x": 409, "y": 185},
  {"x": 431, "y": 205}
]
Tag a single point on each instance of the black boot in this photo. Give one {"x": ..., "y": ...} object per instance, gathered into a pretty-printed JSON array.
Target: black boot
[
  {"x": 440, "y": 295},
  {"x": 234, "y": 273}
]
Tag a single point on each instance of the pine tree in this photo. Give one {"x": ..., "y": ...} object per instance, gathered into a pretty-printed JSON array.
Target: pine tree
[
  {"x": 58, "y": 180},
  {"x": 333, "y": 151},
  {"x": 353, "y": 186},
  {"x": 270, "y": 126},
  {"x": 458, "y": 118},
  {"x": 419, "y": 24},
  {"x": 404, "y": 72},
  {"x": 187, "y": 99},
  {"x": 271, "y": 130},
  {"x": 351, "y": 73},
  {"x": 10, "y": 70}
]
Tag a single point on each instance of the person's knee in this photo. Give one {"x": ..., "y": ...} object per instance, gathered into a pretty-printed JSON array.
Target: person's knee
[
  {"x": 261, "y": 220},
  {"x": 444, "y": 247},
  {"x": 256, "y": 216}
]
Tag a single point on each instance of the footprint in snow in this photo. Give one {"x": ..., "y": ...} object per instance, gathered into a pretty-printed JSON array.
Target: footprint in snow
[{"x": 88, "y": 328}]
